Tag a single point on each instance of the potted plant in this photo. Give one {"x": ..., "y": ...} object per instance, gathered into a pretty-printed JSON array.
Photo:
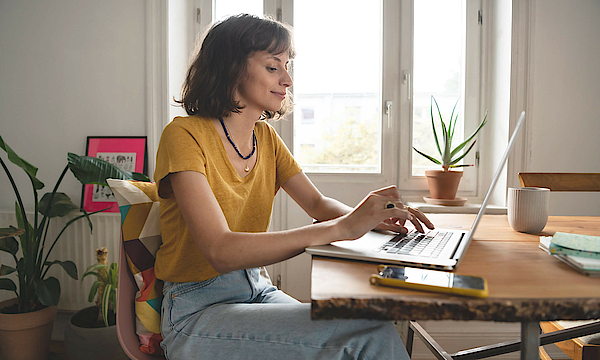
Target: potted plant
[
  {"x": 443, "y": 184},
  {"x": 91, "y": 332},
  {"x": 26, "y": 321}
]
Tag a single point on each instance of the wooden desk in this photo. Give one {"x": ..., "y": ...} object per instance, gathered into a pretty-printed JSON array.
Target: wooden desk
[{"x": 525, "y": 284}]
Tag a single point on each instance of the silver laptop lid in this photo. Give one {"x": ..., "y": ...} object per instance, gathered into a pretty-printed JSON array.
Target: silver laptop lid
[{"x": 465, "y": 244}]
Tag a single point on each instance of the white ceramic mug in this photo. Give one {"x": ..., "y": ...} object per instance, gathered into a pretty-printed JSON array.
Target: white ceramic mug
[{"x": 528, "y": 209}]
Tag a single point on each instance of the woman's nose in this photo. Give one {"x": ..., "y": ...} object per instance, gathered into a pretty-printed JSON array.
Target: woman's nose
[{"x": 287, "y": 80}]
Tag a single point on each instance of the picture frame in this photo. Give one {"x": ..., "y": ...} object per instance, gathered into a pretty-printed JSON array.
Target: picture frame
[{"x": 129, "y": 153}]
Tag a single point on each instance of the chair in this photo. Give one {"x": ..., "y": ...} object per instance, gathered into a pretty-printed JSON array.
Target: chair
[
  {"x": 587, "y": 347},
  {"x": 561, "y": 181},
  {"x": 125, "y": 312},
  {"x": 139, "y": 294}
]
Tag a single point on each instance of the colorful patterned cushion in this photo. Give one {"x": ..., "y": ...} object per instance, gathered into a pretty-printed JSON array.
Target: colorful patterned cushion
[{"x": 139, "y": 206}]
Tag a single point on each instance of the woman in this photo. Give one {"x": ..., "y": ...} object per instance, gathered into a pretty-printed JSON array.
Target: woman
[{"x": 218, "y": 171}]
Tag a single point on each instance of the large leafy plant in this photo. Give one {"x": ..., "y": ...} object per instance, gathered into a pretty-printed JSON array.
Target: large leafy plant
[
  {"x": 36, "y": 289},
  {"x": 105, "y": 286},
  {"x": 449, "y": 157}
]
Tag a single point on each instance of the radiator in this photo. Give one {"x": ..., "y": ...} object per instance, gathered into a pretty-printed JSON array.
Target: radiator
[{"x": 76, "y": 244}]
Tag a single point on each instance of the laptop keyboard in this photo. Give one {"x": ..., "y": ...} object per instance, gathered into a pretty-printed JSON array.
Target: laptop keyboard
[{"x": 416, "y": 243}]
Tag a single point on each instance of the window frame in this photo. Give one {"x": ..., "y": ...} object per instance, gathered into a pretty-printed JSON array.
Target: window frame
[{"x": 472, "y": 98}]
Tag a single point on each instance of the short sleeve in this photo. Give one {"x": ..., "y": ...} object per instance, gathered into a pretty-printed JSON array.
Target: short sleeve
[
  {"x": 287, "y": 166},
  {"x": 178, "y": 150}
]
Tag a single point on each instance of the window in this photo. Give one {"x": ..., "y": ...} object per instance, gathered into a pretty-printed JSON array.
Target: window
[
  {"x": 308, "y": 116},
  {"x": 350, "y": 72},
  {"x": 440, "y": 56},
  {"x": 363, "y": 80},
  {"x": 225, "y": 8},
  {"x": 434, "y": 74},
  {"x": 339, "y": 76}
]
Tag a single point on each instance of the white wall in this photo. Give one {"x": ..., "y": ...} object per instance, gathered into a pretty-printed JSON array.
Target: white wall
[
  {"x": 181, "y": 42},
  {"x": 564, "y": 108},
  {"x": 68, "y": 69}
]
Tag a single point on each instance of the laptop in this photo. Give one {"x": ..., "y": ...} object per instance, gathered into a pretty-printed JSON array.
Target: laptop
[{"x": 441, "y": 249}]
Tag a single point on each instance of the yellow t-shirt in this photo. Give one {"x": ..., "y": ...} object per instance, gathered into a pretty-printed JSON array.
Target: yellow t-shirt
[{"x": 193, "y": 144}]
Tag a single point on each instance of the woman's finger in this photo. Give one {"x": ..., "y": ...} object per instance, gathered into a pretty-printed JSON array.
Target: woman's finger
[
  {"x": 391, "y": 227},
  {"x": 391, "y": 191},
  {"x": 421, "y": 217}
]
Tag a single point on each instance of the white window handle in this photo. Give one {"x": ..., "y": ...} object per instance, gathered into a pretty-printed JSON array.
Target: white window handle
[
  {"x": 388, "y": 112},
  {"x": 407, "y": 82}
]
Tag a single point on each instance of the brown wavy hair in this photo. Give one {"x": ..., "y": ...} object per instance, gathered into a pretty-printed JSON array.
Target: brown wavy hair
[{"x": 221, "y": 62}]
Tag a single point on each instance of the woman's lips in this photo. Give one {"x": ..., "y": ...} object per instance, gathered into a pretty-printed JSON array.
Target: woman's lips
[{"x": 278, "y": 94}]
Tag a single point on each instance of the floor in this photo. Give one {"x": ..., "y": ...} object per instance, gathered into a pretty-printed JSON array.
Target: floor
[{"x": 57, "y": 351}]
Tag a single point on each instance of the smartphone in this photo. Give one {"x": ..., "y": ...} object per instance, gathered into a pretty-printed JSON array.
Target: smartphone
[{"x": 430, "y": 280}]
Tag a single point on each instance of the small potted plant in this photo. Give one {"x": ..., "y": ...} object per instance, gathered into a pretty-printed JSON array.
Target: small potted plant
[
  {"x": 91, "y": 333},
  {"x": 28, "y": 318},
  {"x": 443, "y": 184}
]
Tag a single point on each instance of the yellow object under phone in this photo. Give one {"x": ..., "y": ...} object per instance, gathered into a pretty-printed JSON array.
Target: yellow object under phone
[{"x": 430, "y": 280}]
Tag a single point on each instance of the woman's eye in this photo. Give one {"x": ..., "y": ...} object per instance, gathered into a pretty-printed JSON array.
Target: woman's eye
[{"x": 271, "y": 69}]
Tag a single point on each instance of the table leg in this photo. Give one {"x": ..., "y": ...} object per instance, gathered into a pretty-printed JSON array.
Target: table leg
[{"x": 530, "y": 340}]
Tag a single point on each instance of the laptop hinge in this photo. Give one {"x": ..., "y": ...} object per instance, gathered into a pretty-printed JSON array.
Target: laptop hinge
[{"x": 459, "y": 244}]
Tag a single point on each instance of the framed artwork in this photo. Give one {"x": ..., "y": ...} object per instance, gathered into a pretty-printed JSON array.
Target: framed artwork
[{"x": 128, "y": 153}]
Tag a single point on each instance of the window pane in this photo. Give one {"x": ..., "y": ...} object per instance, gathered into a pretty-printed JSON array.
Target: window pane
[
  {"x": 224, "y": 8},
  {"x": 438, "y": 70},
  {"x": 337, "y": 91}
]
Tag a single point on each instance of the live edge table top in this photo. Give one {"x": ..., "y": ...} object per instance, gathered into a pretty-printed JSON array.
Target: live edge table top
[{"x": 525, "y": 283}]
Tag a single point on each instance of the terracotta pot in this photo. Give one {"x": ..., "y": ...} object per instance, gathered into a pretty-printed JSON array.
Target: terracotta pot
[
  {"x": 443, "y": 184},
  {"x": 26, "y": 336}
]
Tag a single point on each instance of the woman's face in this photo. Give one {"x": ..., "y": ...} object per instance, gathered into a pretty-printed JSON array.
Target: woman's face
[{"x": 266, "y": 83}]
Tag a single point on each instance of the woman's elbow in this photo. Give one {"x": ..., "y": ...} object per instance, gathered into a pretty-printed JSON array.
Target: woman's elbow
[{"x": 218, "y": 259}]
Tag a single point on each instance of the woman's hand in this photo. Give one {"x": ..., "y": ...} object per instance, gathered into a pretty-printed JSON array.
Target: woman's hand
[{"x": 382, "y": 210}]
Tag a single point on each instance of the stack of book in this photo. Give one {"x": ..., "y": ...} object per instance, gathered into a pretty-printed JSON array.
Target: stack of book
[{"x": 582, "y": 252}]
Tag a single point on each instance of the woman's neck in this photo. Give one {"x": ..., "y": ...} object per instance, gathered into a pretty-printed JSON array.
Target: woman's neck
[{"x": 240, "y": 127}]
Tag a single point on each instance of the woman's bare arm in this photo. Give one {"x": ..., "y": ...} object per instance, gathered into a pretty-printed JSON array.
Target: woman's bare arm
[{"x": 227, "y": 251}]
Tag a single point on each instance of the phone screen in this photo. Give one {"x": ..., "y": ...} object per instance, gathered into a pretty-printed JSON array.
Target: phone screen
[{"x": 433, "y": 277}]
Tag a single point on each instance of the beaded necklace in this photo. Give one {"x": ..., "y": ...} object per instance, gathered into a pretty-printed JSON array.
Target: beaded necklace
[{"x": 246, "y": 169}]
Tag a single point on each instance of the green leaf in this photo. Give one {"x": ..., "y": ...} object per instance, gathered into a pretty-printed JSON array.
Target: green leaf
[
  {"x": 27, "y": 167},
  {"x": 29, "y": 236},
  {"x": 93, "y": 270},
  {"x": 10, "y": 231},
  {"x": 95, "y": 267},
  {"x": 5, "y": 270},
  {"x": 94, "y": 290},
  {"x": 453, "y": 122},
  {"x": 10, "y": 245},
  {"x": 113, "y": 274},
  {"x": 7, "y": 284},
  {"x": 446, "y": 137},
  {"x": 463, "y": 155},
  {"x": 90, "y": 170},
  {"x": 437, "y": 143},
  {"x": 140, "y": 177},
  {"x": 428, "y": 157},
  {"x": 462, "y": 145},
  {"x": 61, "y": 205},
  {"x": 69, "y": 267},
  {"x": 106, "y": 303},
  {"x": 92, "y": 273},
  {"x": 48, "y": 291},
  {"x": 21, "y": 265}
]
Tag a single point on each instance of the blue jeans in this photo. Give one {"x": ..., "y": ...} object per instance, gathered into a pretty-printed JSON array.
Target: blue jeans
[{"x": 239, "y": 315}]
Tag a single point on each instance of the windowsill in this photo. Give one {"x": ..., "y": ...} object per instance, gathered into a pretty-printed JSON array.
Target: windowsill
[{"x": 465, "y": 209}]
